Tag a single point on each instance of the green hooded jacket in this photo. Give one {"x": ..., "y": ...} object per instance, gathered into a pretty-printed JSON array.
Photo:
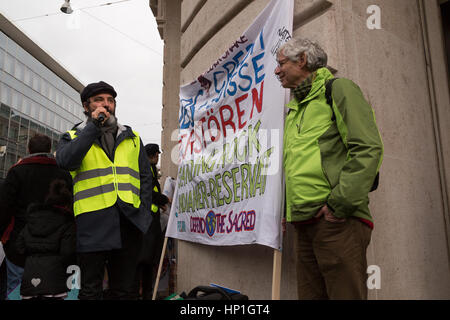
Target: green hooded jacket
[{"x": 326, "y": 160}]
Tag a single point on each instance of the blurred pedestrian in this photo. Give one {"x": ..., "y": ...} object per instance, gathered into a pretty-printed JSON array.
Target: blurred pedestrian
[
  {"x": 48, "y": 241},
  {"x": 27, "y": 182}
]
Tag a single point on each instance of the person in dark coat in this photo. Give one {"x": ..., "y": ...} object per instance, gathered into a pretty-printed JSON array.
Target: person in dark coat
[
  {"x": 154, "y": 238},
  {"x": 48, "y": 241},
  {"x": 112, "y": 194},
  {"x": 27, "y": 182}
]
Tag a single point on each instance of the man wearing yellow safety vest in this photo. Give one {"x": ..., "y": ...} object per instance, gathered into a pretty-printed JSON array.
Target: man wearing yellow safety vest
[
  {"x": 153, "y": 239},
  {"x": 112, "y": 194}
]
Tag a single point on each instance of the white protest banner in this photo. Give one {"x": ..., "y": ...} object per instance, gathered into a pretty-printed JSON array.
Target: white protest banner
[{"x": 229, "y": 184}]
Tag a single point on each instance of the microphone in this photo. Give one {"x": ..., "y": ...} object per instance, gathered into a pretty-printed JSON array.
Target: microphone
[{"x": 101, "y": 117}]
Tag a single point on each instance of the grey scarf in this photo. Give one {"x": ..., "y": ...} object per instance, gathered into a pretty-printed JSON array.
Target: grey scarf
[{"x": 108, "y": 137}]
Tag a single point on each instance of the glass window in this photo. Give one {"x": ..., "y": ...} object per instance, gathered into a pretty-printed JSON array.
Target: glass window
[
  {"x": 10, "y": 160},
  {"x": 33, "y": 129},
  {"x": 19, "y": 102},
  {"x": 58, "y": 123},
  {"x": 51, "y": 119},
  {"x": 41, "y": 129},
  {"x": 4, "y": 123},
  {"x": 44, "y": 88},
  {"x": 5, "y": 111},
  {"x": 48, "y": 132},
  {"x": 14, "y": 129},
  {"x": 16, "y": 102},
  {"x": 43, "y": 114},
  {"x": 35, "y": 109},
  {"x": 2, "y": 58},
  {"x": 54, "y": 144},
  {"x": 65, "y": 103},
  {"x": 2, "y": 167},
  {"x": 9, "y": 64},
  {"x": 52, "y": 93},
  {"x": 5, "y": 94},
  {"x": 55, "y": 136},
  {"x": 55, "y": 140},
  {"x": 26, "y": 106},
  {"x": 15, "y": 99},
  {"x": 18, "y": 72},
  {"x": 23, "y": 136},
  {"x": 71, "y": 107},
  {"x": 59, "y": 98},
  {"x": 32, "y": 109},
  {"x": 36, "y": 82},
  {"x": 62, "y": 125},
  {"x": 27, "y": 77},
  {"x": 23, "y": 102}
]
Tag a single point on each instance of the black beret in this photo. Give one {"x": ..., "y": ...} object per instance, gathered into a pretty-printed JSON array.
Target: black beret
[
  {"x": 95, "y": 88},
  {"x": 152, "y": 149}
]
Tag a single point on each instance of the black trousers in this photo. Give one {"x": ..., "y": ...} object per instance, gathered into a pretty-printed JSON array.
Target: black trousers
[
  {"x": 121, "y": 265},
  {"x": 149, "y": 258}
]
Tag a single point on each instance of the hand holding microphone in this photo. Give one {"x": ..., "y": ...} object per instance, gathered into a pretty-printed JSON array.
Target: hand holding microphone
[
  {"x": 100, "y": 114},
  {"x": 101, "y": 117}
]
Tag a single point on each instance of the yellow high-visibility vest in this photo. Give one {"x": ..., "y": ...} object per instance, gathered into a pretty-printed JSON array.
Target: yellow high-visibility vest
[
  {"x": 155, "y": 188},
  {"x": 98, "y": 181}
]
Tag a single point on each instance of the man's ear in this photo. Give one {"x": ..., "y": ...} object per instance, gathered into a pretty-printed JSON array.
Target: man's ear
[
  {"x": 302, "y": 60},
  {"x": 85, "y": 106}
]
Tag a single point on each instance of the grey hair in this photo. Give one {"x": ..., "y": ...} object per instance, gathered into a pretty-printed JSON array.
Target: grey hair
[{"x": 315, "y": 56}]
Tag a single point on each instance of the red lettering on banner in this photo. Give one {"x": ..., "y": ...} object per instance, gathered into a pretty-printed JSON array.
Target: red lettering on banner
[
  {"x": 239, "y": 112},
  {"x": 228, "y": 122},
  {"x": 244, "y": 221},
  {"x": 213, "y": 118},
  {"x": 216, "y": 127},
  {"x": 257, "y": 101}
]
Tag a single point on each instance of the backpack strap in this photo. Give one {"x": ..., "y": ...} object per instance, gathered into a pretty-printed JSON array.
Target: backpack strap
[{"x": 328, "y": 96}]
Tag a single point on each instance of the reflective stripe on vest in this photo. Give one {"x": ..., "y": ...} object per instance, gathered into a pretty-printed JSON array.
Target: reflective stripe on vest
[
  {"x": 98, "y": 181},
  {"x": 155, "y": 188}
]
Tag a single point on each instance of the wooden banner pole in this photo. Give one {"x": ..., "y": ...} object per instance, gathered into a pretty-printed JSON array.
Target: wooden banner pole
[
  {"x": 161, "y": 261},
  {"x": 276, "y": 278}
]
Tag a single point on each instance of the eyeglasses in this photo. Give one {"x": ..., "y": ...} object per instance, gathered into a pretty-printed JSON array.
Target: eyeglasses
[{"x": 280, "y": 63}]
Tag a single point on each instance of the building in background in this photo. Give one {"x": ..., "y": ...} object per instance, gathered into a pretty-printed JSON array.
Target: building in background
[
  {"x": 36, "y": 93},
  {"x": 400, "y": 64}
]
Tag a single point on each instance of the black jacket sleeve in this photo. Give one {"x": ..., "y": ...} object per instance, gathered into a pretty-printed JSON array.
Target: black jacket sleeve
[
  {"x": 159, "y": 199},
  {"x": 145, "y": 177},
  {"x": 70, "y": 153}
]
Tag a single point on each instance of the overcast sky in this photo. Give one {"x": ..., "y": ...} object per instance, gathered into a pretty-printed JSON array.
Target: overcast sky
[{"x": 117, "y": 43}]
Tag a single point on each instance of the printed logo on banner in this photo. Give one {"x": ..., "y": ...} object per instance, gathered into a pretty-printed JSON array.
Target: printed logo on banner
[{"x": 210, "y": 223}]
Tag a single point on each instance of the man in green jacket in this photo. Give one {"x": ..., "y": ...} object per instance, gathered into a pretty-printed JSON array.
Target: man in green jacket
[{"x": 332, "y": 154}]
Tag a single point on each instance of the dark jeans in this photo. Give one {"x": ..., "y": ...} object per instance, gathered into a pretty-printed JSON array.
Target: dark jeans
[{"x": 120, "y": 263}]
